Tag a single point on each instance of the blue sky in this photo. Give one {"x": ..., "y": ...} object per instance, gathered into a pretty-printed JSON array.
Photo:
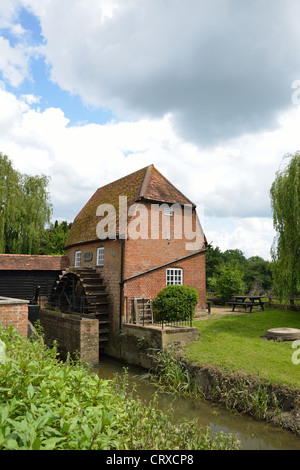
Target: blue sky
[{"x": 93, "y": 90}]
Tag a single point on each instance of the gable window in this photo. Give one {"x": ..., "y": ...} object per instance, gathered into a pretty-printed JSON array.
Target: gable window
[
  {"x": 77, "y": 259},
  {"x": 168, "y": 211},
  {"x": 174, "y": 277},
  {"x": 100, "y": 256}
]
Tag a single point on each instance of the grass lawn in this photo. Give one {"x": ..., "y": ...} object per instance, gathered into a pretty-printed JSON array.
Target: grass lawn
[{"x": 234, "y": 343}]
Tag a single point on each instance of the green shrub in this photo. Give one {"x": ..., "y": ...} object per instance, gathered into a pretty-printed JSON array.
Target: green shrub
[{"x": 175, "y": 303}]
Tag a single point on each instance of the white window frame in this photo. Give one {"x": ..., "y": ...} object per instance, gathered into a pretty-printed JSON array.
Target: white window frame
[
  {"x": 100, "y": 256},
  {"x": 174, "y": 277},
  {"x": 168, "y": 211},
  {"x": 77, "y": 259}
]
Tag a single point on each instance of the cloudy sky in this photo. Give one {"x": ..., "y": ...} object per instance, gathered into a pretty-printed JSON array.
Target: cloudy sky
[{"x": 206, "y": 90}]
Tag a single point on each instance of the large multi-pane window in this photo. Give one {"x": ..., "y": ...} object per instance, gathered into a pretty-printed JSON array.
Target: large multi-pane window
[
  {"x": 174, "y": 277},
  {"x": 100, "y": 256}
]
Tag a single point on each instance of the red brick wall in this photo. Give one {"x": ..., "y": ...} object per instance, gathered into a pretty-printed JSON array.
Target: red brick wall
[
  {"x": 141, "y": 255},
  {"x": 149, "y": 285},
  {"x": 14, "y": 314}
]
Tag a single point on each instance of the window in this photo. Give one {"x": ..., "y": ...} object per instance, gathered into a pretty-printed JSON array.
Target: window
[
  {"x": 100, "y": 256},
  {"x": 168, "y": 211},
  {"x": 77, "y": 258},
  {"x": 174, "y": 277}
]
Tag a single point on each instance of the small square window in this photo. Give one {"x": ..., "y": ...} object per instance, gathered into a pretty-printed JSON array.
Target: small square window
[
  {"x": 174, "y": 277},
  {"x": 77, "y": 259},
  {"x": 100, "y": 256}
]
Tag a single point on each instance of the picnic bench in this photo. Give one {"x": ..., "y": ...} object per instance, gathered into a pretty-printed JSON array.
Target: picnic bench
[{"x": 246, "y": 301}]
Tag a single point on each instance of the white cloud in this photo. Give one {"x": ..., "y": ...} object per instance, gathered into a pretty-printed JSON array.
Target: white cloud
[
  {"x": 232, "y": 182},
  {"x": 253, "y": 236},
  {"x": 220, "y": 68}
]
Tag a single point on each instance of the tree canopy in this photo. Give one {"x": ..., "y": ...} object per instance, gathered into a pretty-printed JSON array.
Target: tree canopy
[
  {"x": 285, "y": 200},
  {"x": 25, "y": 209},
  {"x": 54, "y": 238},
  {"x": 232, "y": 271}
]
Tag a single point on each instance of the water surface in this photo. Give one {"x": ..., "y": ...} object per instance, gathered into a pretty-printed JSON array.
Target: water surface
[{"x": 254, "y": 435}]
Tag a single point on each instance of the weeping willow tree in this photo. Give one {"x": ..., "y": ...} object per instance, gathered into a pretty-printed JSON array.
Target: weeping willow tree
[
  {"x": 25, "y": 209},
  {"x": 285, "y": 200}
]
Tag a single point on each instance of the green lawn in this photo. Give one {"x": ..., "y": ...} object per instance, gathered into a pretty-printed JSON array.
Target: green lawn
[{"x": 234, "y": 343}]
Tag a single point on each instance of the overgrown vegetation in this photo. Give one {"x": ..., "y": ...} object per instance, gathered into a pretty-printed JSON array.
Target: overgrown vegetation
[
  {"x": 49, "y": 404},
  {"x": 169, "y": 372},
  {"x": 240, "y": 393}
]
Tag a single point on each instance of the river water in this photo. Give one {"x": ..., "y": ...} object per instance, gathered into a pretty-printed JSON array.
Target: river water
[{"x": 254, "y": 435}]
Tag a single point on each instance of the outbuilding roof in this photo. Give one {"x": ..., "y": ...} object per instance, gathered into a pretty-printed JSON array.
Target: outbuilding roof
[
  {"x": 147, "y": 184},
  {"x": 32, "y": 262}
]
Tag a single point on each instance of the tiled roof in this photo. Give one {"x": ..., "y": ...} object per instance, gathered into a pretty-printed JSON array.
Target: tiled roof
[
  {"x": 147, "y": 184},
  {"x": 32, "y": 262}
]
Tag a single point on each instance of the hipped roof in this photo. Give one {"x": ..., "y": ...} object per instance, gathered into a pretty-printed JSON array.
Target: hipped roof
[{"x": 147, "y": 184}]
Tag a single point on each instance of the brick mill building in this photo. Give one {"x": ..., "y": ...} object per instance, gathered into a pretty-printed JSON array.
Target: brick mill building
[
  {"x": 139, "y": 263},
  {"x": 132, "y": 238}
]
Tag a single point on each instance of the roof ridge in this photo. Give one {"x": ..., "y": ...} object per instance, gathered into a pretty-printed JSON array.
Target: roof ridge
[
  {"x": 146, "y": 181},
  {"x": 169, "y": 182}
]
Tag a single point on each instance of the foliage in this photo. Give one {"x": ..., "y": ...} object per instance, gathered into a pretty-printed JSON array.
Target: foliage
[
  {"x": 169, "y": 371},
  {"x": 46, "y": 404},
  {"x": 285, "y": 199},
  {"x": 258, "y": 275},
  {"x": 54, "y": 239},
  {"x": 235, "y": 257},
  {"x": 24, "y": 209},
  {"x": 227, "y": 281},
  {"x": 175, "y": 303},
  {"x": 213, "y": 259},
  {"x": 256, "y": 271}
]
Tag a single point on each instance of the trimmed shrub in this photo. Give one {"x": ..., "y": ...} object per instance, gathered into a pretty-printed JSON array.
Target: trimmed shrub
[{"x": 175, "y": 303}]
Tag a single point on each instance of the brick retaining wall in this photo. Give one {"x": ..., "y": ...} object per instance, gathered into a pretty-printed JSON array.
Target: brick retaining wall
[
  {"x": 73, "y": 334},
  {"x": 14, "y": 312}
]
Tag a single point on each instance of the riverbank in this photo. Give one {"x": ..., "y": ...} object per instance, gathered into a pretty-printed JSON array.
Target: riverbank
[
  {"x": 238, "y": 392},
  {"x": 253, "y": 434},
  {"x": 233, "y": 365},
  {"x": 273, "y": 403}
]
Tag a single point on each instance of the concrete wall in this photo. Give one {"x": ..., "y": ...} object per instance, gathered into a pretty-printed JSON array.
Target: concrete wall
[
  {"x": 135, "y": 343},
  {"x": 74, "y": 335},
  {"x": 14, "y": 312}
]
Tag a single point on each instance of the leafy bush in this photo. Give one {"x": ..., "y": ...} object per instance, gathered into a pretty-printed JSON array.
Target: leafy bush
[
  {"x": 46, "y": 404},
  {"x": 227, "y": 281},
  {"x": 174, "y": 303}
]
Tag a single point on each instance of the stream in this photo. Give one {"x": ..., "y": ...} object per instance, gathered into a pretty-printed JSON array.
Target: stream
[{"x": 253, "y": 435}]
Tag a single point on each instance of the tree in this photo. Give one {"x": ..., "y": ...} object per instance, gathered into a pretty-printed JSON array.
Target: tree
[
  {"x": 285, "y": 201},
  {"x": 234, "y": 257},
  {"x": 54, "y": 239},
  {"x": 258, "y": 275},
  {"x": 228, "y": 280},
  {"x": 213, "y": 259},
  {"x": 25, "y": 209}
]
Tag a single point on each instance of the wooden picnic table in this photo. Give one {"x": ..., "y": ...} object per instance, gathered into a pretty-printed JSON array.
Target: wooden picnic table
[{"x": 247, "y": 301}]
